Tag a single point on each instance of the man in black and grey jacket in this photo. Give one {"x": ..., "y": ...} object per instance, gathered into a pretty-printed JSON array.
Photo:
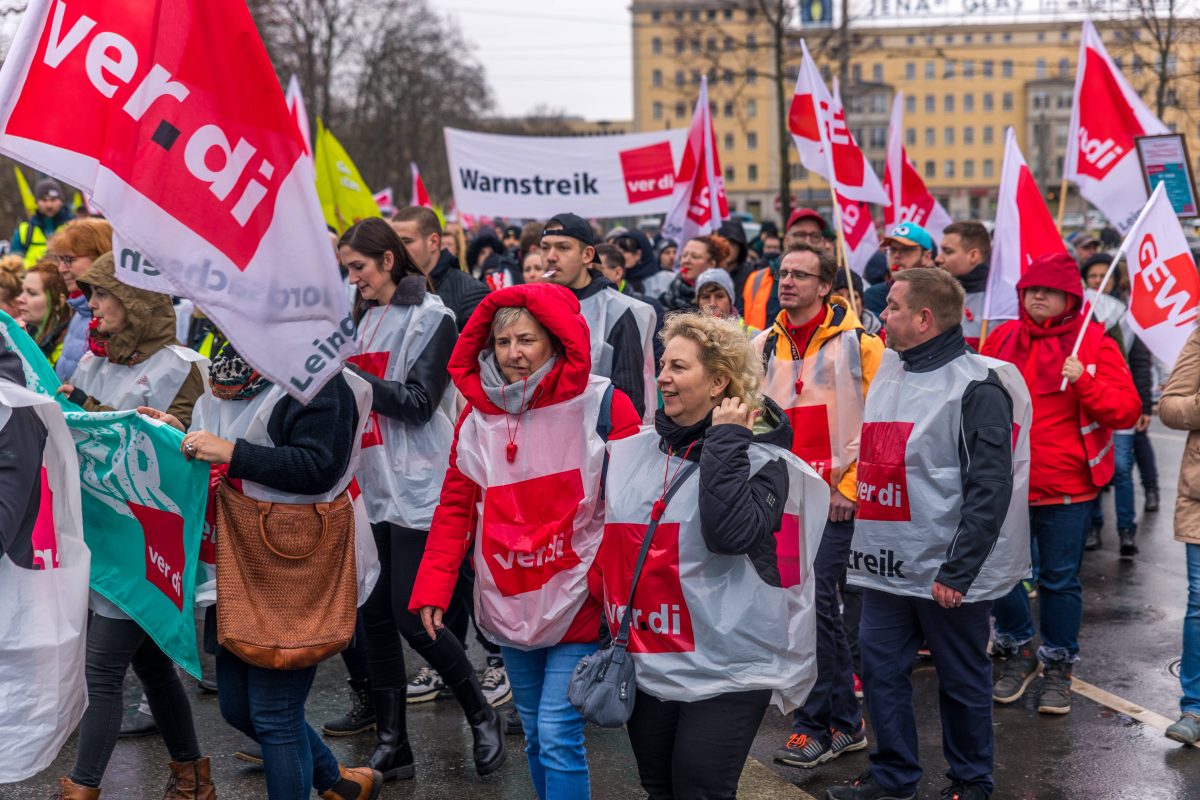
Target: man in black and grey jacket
[
  {"x": 419, "y": 229},
  {"x": 941, "y": 531}
]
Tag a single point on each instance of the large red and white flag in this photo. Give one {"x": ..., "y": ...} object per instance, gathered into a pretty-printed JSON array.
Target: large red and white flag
[
  {"x": 1105, "y": 117},
  {"x": 296, "y": 107},
  {"x": 910, "y": 200},
  {"x": 858, "y": 232},
  {"x": 1164, "y": 287},
  {"x": 698, "y": 203},
  {"x": 190, "y": 151},
  {"x": 386, "y": 200},
  {"x": 1024, "y": 230},
  {"x": 818, "y": 126},
  {"x": 420, "y": 197}
]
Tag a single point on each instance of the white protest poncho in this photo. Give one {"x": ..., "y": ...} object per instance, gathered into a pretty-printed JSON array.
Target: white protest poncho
[
  {"x": 232, "y": 420},
  {"x": 705, "y": 624},
  {"x": 153, "y": 382},
  {"x": 403, "y": 466},
  {"x": 603, "y": 310},
  {"x": 910, "y": 480},
  {"x": 540, "y": 519},
  {"x": 43, "y": 630},
  {"x": 822, "y": 397}
]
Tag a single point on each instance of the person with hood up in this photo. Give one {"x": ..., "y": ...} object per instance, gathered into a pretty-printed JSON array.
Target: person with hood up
[
  {"x": 1071, "y": 459},
  {"x": 75, "y": 247},
  {"x": 664, "y": 255},
  {"x": 738, "y": 264},
  {"x": 528, "y": 515},
  {"x": 721, "y": 618},
  {"x": 32, "y": 236},
  {"x": 133, "y": 362},
  {"x": 405, "y": 337},
  {"x": 714, "y": 296},
  {"x": 641, "y": 261},
  {"x": 483, "y": 244}
]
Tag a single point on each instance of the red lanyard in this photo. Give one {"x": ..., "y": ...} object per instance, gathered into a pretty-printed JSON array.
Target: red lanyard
[
  {"x": 371, "y": 340},
  {"x": 660, "y": 505},
  {"x": 510, "y": 452}
]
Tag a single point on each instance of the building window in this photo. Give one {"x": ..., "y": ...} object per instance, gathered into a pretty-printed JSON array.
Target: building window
[
  {"x": 710, "y": 44},
  {"x": 930, "y": 104},
  {"x": 856, "y": 73},
  {"x": 930, "y": 170},
  {"x": 948, "y": 71},
  {"x": 910, "y": 137},
  {"x": 751, "y": 141},
  {"x": 656, "y": 77},
  {"x": 752, "y": 173},
  {"x": 910, "y": 40},
  {"x": 729, "y": 174},
  {"x": 986, "y": 68},
  {"x": 728, "y": 77},
  {"x": 968, "y": 69},
  {"x": 728, "y": 13},
  {"x": 968, "y": 38},
  {"x": 878, "y": 137},
  {"x": 655, "y": 16},
  {"x": 679, "y": 77},
  {"x": 751, "y": 76},
  {"x": 1136, "y": 66},
  {"x": 968, "y": 169},
  {"x": 988, "y": 167},
  {"x": 987, "y": 38},
  {"x": 751, "y": 14},
  {"x": 695, "y": 44},
  {"x": 695, "y": 15},
  {"x": 1041, "y": 36},
  {"x": 680, "y": 110},
  {"x": 751, "y": 108},
  {"x": 751, "y": 42},
  {"x": 879, "y": 103},
  {"x": 948, "y": 136},
  {"x": 728, "y": 43},
  {"x": 712, "y": 14},
  {"x": 968, "y": 135},
  {"x": 948, "y": 168},
  {"x": 696, "y": 77},
  {"x": 948, "y": 104},
  {"x": 1039, "y": 68},
  {"x": 1006, "y": 101},
  {"x": 968, "y": 103},
  {"x": 1007, "y": 38},
  {"x": 988, "y": 134},
  {"x": 1064, "y": 35},
  {"x": 877, "y": 73},
  {"x": 658, "y": 110},
  {"x": 679, "y": 47},
  {"x": 1006, "y": 68},
  {"x": 910, "y": 71},
  {"x": 729, "y": 141},
  {"x": 930, "y": 137},
  {"x": 910, "y": 104},
  {"x": 949, "y": 39},
  {"x": 930, "y": 70},
  {"x": 728, "y": 111},
  {"x": 1064, "y": 67},
  {"x": 656, "y": 45},
  {"x": 988, "y": 101}
]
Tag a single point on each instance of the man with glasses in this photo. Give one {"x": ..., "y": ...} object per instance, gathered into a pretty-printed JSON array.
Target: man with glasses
[
  {"x": 760, "y": 301},
  {"x": 908, "y": 245},
  {"x": 819, "y": 363}
]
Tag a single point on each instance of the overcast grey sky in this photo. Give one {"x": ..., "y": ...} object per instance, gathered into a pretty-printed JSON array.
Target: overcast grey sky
[{"x": 569, "y": 55}]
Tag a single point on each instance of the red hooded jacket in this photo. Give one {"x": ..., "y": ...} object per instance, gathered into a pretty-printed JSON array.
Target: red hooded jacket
[
  {"x": 455, "y": 520},
  {"x": 1071, "y": 446}
]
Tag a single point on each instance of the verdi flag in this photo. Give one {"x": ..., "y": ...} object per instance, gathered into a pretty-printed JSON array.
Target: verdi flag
[
  {"x": 299, "y": 114},
  {"x": 420, "y": 196},
  {"x": 345, "y": 198},
  {"x": 911, "y": 201},
  {"x": 698, "y": 201}
]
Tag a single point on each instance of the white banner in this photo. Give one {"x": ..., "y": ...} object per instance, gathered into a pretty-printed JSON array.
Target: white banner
[{"x": 536, "y": 177}]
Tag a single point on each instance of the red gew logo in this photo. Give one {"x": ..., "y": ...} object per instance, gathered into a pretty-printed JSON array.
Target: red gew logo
[
  {"x": 177, "y": 109},
  {"x": 810, "y": 438},
  {"x": 1165, "y": 289},
  {"x": 649, "y": 172},
  {"x": 373, "y": 364},
  {"x": 882, "y": 482},
  {"x": 164, "y": 550},
  {"x": 660, "y": 621},
  {"x": 528, "y": 528}
]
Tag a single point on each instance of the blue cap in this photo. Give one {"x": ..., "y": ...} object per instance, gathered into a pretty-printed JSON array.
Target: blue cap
[{"x": 910, "y": 234}]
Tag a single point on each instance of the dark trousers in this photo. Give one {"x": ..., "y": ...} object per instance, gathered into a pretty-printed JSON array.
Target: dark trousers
[
  {"x": 355, "y": 656},
  {"x": 1143, "y": 454},
  {"x": 694, "y": 751},
  {"x": 386, "y": 617},
  {"x": 893, "y": 627},
  {"x": 831, "y": 705},
  {"x": 851, "y": 618},
  {"x": 112, "y": 646}
]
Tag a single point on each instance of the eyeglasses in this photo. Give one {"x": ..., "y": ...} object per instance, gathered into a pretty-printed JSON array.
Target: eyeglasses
[
  {"x": 67, "y": 261},
  {"x": 796, "y": 275},
  {"x": 812, "y": 236}
]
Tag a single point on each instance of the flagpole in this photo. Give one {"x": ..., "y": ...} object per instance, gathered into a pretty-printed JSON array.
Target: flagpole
[
  {"x": 1062, "y": 202},
  {"x": 983, "y": 332},
  {"x": 842, "y": 255}
]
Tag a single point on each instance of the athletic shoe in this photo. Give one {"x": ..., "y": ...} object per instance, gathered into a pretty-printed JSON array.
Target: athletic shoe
[
  {"x": 849, "y": 742},
  {"x": 250, "y": 753},
  {"x": 802, "y": 750},
  {"x": 1128, "y": 548},
  {"x": 858, "y": 692},
  {"x": 1186, "y": 730},
  {"x": 494, "y": 682},
  {"x": 425, "y": 686},
  {"x": 1055, "y": 696},
  {"x": 961, "y": 790},
  {"x": 865, "y": 788},
  {"x": 1016, "y": 673}
]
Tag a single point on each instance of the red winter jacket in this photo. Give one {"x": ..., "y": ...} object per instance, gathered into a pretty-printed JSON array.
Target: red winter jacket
[
  {"x": 1071, "y": 448},
  {"x": 455, "y": 520}
]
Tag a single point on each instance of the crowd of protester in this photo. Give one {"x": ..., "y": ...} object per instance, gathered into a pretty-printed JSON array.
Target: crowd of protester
[{"x": 534, "y": 396}]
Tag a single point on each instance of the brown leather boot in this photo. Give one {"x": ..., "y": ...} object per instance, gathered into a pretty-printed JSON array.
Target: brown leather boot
[
  {"x": 190, "y": 780},
  {"x": 358, "y": 783},
  {"x": 70, "y": 790}
]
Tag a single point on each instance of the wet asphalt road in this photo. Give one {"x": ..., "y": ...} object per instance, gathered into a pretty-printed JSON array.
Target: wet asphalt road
[{"x": 1133, "y": 612}]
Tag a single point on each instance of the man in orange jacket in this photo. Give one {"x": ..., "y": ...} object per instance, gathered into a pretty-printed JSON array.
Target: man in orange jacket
[{"x": 819, "y": 363}]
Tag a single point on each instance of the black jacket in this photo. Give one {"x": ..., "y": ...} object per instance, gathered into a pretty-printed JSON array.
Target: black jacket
[
  {"x": 625, "y": 340},
  {"x": 739, "y": 514},
  {"x": 459, "y": 291},
  {"x": 647, "y": 265},
  {"x": 984, "y": 453},
  {"x": 312, "y": 443},
  {"x": 1141, "y": 365},
  {"x": 735, "y": 234},
  {"x": 22, "y": 442},
  {"x": 679, "y": 296},
  {"x": 659, "y": 314}
]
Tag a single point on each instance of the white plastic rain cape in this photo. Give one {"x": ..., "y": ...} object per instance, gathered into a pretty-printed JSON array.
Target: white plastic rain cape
[
  {"x": 705, "y": 624},
  {"x": 823, "y": 399},
  {"x": 403, "y": 466},
  {"x": 602, "y": 310},
  {"x": 248, "y": 419},
  {"x": 43, "y": 630},
  {"x": 153, "y": 382},
  {"x": 540, "y": 519},
  {"x": 910, "y": 480}
]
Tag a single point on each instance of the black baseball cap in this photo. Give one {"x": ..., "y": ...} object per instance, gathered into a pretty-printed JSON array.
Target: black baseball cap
[{"x": 571, "y": 225}]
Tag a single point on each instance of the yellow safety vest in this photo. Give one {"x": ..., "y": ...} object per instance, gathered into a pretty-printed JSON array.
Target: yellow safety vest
[{"x": 36, "y": 243}]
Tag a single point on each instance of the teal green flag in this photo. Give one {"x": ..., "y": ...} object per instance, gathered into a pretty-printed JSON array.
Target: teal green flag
[{"x": 143, "y": 509}]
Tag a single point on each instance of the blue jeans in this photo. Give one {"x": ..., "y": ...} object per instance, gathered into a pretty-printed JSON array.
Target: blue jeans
[
  {"x": 1189, "y": 670},
  {"x": 1060, "y": 532},
  {"x": 268, "y": 706},
  {"x": 1123, "y": 481},
  {"x": 553, "y": 728}
]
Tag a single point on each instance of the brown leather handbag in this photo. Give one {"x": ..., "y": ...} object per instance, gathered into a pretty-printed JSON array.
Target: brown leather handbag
[{"x": 286, "y": 583}]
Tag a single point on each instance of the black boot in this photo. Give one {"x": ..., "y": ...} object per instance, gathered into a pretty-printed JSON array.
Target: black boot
[
  {"x": 1151, "y": 500},
  {"x": 487, "y": 727},
  {"x": 360, "y": 717},
  {"x": 1093, "y": 539},
  {"x": 1128, "y": 548},
  {"x": 393, "y": 756}
]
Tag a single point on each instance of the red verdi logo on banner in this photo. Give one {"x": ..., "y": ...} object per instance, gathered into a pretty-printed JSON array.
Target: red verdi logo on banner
[
  {"x": 804, "y": 121},
  {"x": 660, "y": 621},
  {"x": 146, "y": 100},
  {"x": 528, "y": 528},
  {"x": 373, "y": 364},
  {"x": 164, "y": 550},
  {"x": 649, "y": 171},
  {"x": 882, "y": 481},
  {"x": 810, "y": 437}
]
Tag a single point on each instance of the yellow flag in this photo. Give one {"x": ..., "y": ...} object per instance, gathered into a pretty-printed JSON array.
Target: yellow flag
[
  {"x": 77, "y": 202},
  {"x": 26, "y": 193},
  {"x": 345, "y": 198}
]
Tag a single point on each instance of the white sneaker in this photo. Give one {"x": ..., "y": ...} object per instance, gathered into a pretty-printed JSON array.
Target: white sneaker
[
  {"x": 496, "y": 688},
  {"x": 425, "y": 686}
]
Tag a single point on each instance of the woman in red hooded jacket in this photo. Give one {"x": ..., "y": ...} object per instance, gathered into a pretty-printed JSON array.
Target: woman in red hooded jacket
[
  {"x": 522, "y": 498},
  {"x": 1071, "y": 459}
]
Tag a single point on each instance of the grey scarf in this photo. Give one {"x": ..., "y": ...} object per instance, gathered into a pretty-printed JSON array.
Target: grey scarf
[{"x": 512, "y": 397}]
